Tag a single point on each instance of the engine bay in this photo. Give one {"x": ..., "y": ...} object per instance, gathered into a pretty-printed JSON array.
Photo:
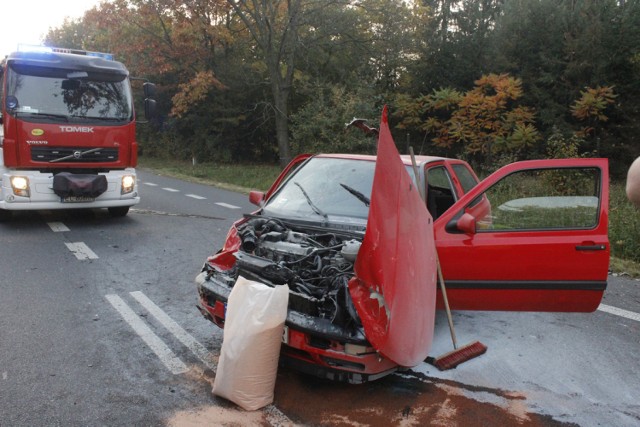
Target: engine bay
[{"x": 316, "y": 264}]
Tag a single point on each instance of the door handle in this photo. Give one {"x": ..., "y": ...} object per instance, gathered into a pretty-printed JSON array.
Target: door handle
[{"x": 591, "y": 247}]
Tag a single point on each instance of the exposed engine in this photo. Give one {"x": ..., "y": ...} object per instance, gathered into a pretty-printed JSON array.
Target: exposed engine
[{"x": 316, "y": 266}]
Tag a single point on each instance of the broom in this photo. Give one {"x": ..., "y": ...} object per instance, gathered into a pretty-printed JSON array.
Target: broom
[{"x": 459, "y": 354}]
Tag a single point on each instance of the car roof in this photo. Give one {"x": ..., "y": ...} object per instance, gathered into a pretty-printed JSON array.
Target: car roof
[{"x": 406, "y": 159}]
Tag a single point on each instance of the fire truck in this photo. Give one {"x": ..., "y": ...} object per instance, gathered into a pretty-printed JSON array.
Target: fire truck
[{"x": 68, "y": 136}]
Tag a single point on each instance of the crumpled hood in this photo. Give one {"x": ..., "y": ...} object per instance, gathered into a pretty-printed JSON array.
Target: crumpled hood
[{"x": 394, "y": 290}]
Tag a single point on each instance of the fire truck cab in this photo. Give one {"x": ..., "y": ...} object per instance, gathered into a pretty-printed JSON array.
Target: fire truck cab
[{"x": 68, "y": 131}]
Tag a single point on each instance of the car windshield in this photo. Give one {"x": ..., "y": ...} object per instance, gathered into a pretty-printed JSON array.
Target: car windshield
[
  {"x": 325, "y": 188},
  {"x": 57, "y": 95}
]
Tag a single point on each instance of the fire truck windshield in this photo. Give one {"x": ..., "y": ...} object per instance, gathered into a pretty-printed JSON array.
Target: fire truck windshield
[{"x": 43, "y": 94}]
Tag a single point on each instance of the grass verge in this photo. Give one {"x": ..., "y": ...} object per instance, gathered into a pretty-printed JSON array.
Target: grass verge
[
  {"x": 624, "y": 267},
  {"x": 240, "y": 178}
]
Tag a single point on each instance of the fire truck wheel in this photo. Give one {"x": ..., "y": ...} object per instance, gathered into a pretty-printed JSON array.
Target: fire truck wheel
[
  {"x": 118, "y": 211},
  {"x": 5, "y": 215}
]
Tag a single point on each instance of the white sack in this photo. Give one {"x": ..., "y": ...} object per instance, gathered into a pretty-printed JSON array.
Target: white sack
[{"x": 254, "y": 323}]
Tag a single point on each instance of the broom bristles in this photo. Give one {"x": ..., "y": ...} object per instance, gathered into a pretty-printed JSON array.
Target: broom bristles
[{"x": 461, "y": 354}]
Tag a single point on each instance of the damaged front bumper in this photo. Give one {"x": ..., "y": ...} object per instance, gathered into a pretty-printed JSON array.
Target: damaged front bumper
[{"x": 311, "y": 345}]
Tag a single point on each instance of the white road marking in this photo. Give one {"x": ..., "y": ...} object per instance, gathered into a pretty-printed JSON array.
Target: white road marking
[
  {"x": 164, "y": 353},
  {"x": 185, "y": 338},
  {"x": 194, "y": 196},
  {"x": 619, "y": 312},
  {"x": 4, "y": 375},
  {"x": 172, "y": 190},
  {"x": 227, "y": 205},
  {"x": 150, "y": 184},
  {"x": 81, "y": 250},
  {"x": 57, "y": 227}
]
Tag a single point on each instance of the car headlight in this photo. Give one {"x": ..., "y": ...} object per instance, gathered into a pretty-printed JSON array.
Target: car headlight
[
  {"x": 128, "y": 183},
  {"x": 20, "y": 186}
]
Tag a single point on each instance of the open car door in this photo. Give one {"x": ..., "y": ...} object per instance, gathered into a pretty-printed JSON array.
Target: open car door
[{"x": 530, "y": 237}]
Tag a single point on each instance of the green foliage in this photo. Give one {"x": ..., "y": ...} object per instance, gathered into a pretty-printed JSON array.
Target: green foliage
[
  {"x": 561, "y": 48},
  {"x": 560, "y": 147},
  {"x": 591, "y": 106},
  {"x": 320, "y": 125},
  {"x": 486, "y": 120},
  {"x": 222, "y": 88}
]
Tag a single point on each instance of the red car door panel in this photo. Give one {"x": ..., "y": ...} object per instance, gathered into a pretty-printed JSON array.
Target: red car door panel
[{"x": 536, "y": 241}]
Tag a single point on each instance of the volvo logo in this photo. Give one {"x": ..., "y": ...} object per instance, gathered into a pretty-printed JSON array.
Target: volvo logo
[{"x": 77, "y": 154}]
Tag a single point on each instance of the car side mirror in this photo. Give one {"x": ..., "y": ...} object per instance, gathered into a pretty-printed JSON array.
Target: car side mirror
[
  {"x": 256, "y": 197},
  {"x": 467, "y": 224}
]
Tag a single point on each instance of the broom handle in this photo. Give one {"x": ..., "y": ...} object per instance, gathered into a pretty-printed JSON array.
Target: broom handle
[
  {"x": 441, "y": 280},
  {"x": 446, "y": 303}
]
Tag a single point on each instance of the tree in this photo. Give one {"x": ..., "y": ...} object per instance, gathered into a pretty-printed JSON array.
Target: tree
[
  {"x": 274, "y": 25},
  {"x": 558, "y": 48},
  {"x": 319, "y": 125},
  {"x": 455, "y": 43},
  {"x": 590, "y": 108},
  {"x": 485, "y": 120}
]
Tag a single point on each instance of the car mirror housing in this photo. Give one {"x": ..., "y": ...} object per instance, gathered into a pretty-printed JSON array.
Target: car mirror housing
[
  {"x": 467, "y": 224},
  {"x": 256, "y": 197}
]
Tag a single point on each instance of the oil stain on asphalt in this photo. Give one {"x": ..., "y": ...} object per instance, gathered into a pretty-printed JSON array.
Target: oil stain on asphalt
[{"x": 404, "y": 399}]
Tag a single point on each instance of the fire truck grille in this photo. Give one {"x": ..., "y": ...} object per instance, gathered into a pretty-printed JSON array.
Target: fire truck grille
[{"x": 74, "y": 154}]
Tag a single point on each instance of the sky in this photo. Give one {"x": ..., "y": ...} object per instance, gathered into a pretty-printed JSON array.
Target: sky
[{"x": 27, "y": 21}]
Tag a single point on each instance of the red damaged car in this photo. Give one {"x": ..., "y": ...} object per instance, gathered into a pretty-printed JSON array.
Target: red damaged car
[{"x": 353, "y": 239}]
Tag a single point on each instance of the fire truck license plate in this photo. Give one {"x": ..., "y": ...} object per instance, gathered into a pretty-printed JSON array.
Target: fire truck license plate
[{"x": 77, "y": 199}]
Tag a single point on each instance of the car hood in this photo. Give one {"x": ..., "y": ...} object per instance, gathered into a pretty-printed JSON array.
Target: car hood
[{"x": 394, "y": 288}]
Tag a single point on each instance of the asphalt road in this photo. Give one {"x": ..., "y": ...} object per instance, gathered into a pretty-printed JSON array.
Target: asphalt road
[{"x": 98, "y": 326}]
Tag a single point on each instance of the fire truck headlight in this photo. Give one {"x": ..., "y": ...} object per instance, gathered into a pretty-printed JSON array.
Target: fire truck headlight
[
  {"x": 20, "y": 186},
  {"x": 128, "y": 183}
]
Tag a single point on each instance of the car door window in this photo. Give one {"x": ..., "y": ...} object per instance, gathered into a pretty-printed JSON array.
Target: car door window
[
  {"x": 543, "y": 199},
  {"x": 440, "y": 191},
  {"x": 467, "y": 180}
]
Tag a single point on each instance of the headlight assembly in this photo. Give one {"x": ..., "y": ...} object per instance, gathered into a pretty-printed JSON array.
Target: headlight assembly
[
  {"x": 20, "y": 186},
  {"x": 128, "y": 184}
]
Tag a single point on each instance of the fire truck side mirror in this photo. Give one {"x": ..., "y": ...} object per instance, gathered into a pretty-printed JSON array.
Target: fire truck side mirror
[
  {"x": 149, "y": 108},
  {"x": 149, "y": 90}
]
